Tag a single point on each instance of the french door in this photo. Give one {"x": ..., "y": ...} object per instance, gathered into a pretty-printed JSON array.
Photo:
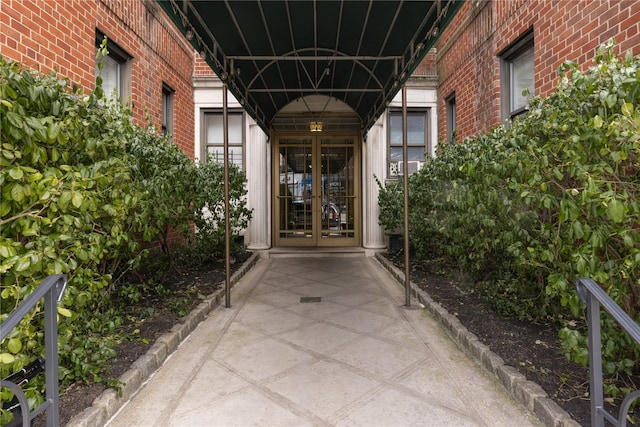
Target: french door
[{"x": 316, "y": 190}]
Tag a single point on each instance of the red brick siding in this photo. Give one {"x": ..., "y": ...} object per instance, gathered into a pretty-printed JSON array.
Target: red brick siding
[
  {"x": 60, "y": 35},
  {"x": 427, "y": 66},
  {"x": 469, "y": 48},
  {"x": 201, "y": 68}
]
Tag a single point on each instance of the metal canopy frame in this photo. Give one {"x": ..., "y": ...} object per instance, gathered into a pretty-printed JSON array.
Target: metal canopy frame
[{"x": 270, "y": 53}]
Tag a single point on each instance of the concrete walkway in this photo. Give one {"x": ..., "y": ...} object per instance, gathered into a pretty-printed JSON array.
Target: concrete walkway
[{"x": 320, "y": 341}]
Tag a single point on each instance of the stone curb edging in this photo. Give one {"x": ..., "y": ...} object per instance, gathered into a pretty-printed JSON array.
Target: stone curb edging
[
  {"x": 528, "y": 393},
  {"x": 109, "y": 402}
]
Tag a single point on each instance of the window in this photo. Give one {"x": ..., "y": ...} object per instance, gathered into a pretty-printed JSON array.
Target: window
[
  {"x": 167, "y": 109},
  {"x": 517, "y": 76},
  {"x": 116, "y": 70},
  {"x": 213, "y": 138},
  {"x": 417, "y": 140},
  {"x": 451, "y": 117}
]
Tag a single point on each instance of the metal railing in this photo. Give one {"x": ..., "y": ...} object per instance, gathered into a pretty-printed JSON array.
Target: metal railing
[
  {"x": 594, "y": 296},
  {"x": 51, "y": 290}
]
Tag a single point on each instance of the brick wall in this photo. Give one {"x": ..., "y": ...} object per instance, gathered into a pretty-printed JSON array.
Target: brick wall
[
  {"x": 201, "y": 68},
  {"x": 469, "y": 48},
  {"x": 60, "y": 35},
  {"x": 427, "y": 66}
]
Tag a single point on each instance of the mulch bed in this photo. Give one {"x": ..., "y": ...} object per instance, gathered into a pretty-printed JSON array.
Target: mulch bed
[
  {"x": 191, "y": 283},
  {"x": 532, "y": 348}
]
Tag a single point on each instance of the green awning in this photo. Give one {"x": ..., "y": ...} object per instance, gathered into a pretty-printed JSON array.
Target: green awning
[{"x": 270, "y": 53}]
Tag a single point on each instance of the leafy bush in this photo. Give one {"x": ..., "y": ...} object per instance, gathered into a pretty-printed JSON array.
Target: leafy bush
[
  {"x": 528, "y": 208},
  {"x": 391, "y": 204},
  {"x": 66, "y": 202},
  {"x": 82, "y": 188},
  {"x": 580, "y": 176},
  {"x": 177, "y": 194},
  {"x": 166, "y": 179},
  {"x": 208, "y": 205}
]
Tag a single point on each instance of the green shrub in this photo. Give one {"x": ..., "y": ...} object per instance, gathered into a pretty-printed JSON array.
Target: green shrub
[
  {"x": 66, "y": 205},
  {"x": 580, "y": 176},
  {"x": 208, "y": 205},
  {"x": 391, "y": 204},
  {"x": 528, "y": 208},
  {"x": 166, "y": 179},
  {"x": 82, "y": 188}
]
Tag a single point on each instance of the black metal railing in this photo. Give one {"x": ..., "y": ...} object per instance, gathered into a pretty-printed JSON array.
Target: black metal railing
[
  {"x": 51, "y": 290},
  {"x": 594, "y": 297}
]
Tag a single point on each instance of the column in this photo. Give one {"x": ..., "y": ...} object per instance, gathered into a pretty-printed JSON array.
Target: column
[
  {"x": 258, "y": 179},
  {"x": 374, "y": 166}
]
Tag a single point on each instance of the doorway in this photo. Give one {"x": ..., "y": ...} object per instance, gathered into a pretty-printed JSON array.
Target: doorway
[{"x": 316, "y": 187}]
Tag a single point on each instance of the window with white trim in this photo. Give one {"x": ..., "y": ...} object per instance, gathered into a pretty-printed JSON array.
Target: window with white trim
[
  {"x": 517, "y": 76},
  {"x": 417, "y": 140},
  {"x": 213, "y": 137},
  {"x": 116, "y": 70}
]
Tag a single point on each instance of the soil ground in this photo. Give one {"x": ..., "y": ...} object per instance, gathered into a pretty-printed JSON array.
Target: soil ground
[{"x": 534, "y": 349}]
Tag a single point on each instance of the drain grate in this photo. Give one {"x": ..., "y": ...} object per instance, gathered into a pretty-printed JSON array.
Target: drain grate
[{"x": 310, "y": 299}]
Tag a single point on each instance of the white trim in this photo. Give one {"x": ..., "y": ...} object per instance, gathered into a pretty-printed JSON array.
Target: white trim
[
  {"x": 207, "y": 94},
  {"x": 374, "y": 165}
]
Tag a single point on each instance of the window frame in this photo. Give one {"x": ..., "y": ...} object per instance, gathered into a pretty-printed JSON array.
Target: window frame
[
  {"x": 204, "y": 146},
  {"x": 168, "y": 95},
  {"x": 123, "y": 61},
  {"x": 451, "y": 116},
  {"x": 426, "y": 144},
  {"x": 521, "y": 47}
]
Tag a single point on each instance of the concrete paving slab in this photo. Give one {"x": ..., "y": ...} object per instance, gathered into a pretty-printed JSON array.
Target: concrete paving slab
[
  {"x": 355, "y": 357},
  {"x": 407, "y": 411},
  {"x": 320, "y": 337},
  {"x": 233, "y": 411},
  {"x": 323, "y": 388}
]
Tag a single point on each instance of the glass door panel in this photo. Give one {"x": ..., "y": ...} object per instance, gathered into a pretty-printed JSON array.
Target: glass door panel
[
  {"x": 337, "y": 189},
  {"x": 315, "y": 191},
  {"x": 295, "y": 194}
]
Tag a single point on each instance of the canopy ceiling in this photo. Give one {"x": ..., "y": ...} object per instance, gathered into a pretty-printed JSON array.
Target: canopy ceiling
[{"x": 270, "y": 53}]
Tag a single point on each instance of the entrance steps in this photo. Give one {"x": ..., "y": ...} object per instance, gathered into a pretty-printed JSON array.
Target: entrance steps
[{"x": 293, "y": 252}]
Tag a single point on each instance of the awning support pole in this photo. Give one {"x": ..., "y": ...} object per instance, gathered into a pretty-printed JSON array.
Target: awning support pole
[
  {"x": 405, "y": 178},
  {"x": 227, "y": 225}
]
